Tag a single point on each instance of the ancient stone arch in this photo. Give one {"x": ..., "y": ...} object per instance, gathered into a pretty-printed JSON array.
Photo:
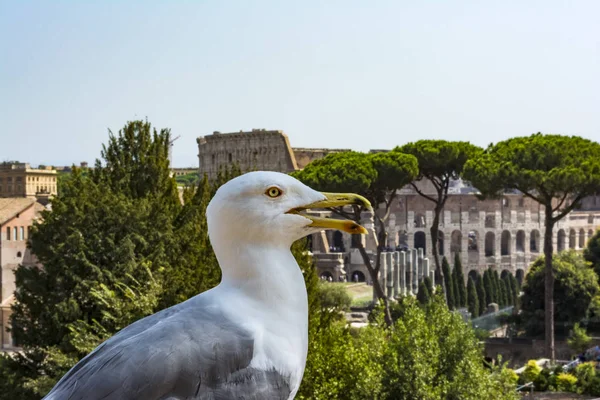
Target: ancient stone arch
[
  {"x": 581, "y": 238},
  {"x": 473, "y": 241},
  {"x": 504, "y": 273},
  {"x": 560, "y": 240},
  {"x": 520, "y": 275},
  {"x": 572, "y": 239},
  {"x": 456, "y": 242},
  {"x": 490, "y": 244},
  {"x": 473, "y": 274},
  {"x": 505, "y": 243},
  {"x": 338, "y": 242},
  {"x": 357, "y": 276},
  {"x": 520, "y": 245},
  {"x": 534, "y": 241},
  {"x": 421, "y": 241}
]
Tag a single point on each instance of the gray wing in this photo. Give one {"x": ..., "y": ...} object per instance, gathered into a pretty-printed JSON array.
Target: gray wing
[{"x": 190, "y": 351}]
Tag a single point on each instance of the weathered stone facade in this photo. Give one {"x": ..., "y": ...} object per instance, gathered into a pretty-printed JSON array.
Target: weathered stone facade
[
  {"x": 505, "y": 234},
  {"x": 258, "y": 149},
  {"x": 16, "y": 218},
  {"x": 20, "y": 180}
]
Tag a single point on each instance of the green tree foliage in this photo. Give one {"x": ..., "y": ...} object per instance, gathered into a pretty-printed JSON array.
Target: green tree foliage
[
  {"x": 434, "y": 354},
  {"x": 575, "y": 284},
  {"x": 428, "y": 285},
  {"x": 440, "y": 162},
  {"x": 423, "y": 295},
  {"x": 481, "y": 294},
  {"x": 514, "y": 284},
  {"x": 191, "y": 179},
  {"x": 473, "y": 301},
  {"x": 579, "y": 341},
  {"x": 592, "y": 252},
  {"x": 340, "y": 364},
  {"x": 460, "y": 281},
  {"x": 377, "y": 177},
  {"x": 496, "y": 287},
  {"x": 554, "y": 170},
  {"x": 450, "y": 296}
]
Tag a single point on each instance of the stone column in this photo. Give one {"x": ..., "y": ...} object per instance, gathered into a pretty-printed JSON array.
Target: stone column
[
  {"x": 396, "y": 274},
  {"x": 420, "y": 257},
  {"x": 389, "y": 261},
  {"x": 408, "y": 272},
  {"x": 402, "y": 268},
  {"x": 383, "y": 272},
  {"x": 425, "y": 267},
  {"x": 415, "y": 271}
]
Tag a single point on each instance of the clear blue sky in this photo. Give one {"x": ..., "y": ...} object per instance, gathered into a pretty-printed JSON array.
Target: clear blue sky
[{"x": 351, "y": 74}]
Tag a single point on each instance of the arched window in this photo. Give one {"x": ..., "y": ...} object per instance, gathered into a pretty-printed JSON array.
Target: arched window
[
  {"x": 420, "y": 241},
  {"x": 456, "y": 242},
  {"x": 581, "y": 238},
  {"x": 520, "y": 242},
  {"x": 505, "y": 243},
  {"x": 338, "y": 242},
  {"x": 572, "y": 239},
  {"x": 560, "y": 240},
  {"x": 490, "y": 244},
  {"x": 534, "y": 241},
  {"x": 357, "y": 276}
]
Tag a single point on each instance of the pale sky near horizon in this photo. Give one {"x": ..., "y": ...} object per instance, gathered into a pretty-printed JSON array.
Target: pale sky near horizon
[{"x": 338, "y": 73}]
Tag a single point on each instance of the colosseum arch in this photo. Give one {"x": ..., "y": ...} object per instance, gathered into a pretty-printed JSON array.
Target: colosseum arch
[
  {"x": 490, "y": 244},
  {"x": 338, "y": 242},
  {"x": 581, "y": 238},
  {"x": 505, "y": 273},
  {"x": 520, "y": 275},
  {"x": 421, "y": 241},
  {"x": 572, "y": 239},
  {"x": 505, "y": 243},
  {"x": 473, "y": 274},
  {"x": 456, "y": 242},
  {"x": 560, "y": 240},
  {"x": 520, "y": 245},
  {"x": 534, "y": 241},
  {"x": 357, "y": 276},
  {"x": 473, "y": 241}
]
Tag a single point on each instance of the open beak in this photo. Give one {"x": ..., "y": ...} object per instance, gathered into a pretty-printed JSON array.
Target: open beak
[{"x": 335, "y": 200}]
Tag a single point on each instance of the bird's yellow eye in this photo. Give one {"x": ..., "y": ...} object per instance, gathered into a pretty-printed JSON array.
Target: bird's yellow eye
[{"x": 274, "y": 192}]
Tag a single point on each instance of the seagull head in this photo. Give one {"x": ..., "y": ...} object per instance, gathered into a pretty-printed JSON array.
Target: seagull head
[{"x": 267, "y": 206}]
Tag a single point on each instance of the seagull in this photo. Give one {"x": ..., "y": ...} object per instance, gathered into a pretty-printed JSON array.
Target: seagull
[{"x": 247, "y": 338}]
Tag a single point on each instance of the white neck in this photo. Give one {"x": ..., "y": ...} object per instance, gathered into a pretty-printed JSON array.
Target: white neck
[{"x": 265, "y": 285}]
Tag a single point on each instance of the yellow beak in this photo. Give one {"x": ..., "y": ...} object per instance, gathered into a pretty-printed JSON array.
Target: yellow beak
[{"x": 335, "y": 200}]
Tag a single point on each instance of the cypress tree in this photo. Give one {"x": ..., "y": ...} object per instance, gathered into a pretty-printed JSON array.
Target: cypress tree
[
  {"x": 473, "y": 301},
  {"x": 423, "y": 294},
  {"x": 456, "y": 288},
  {"x": 510, "y": 296},
  {"x": 515, "y": 289},
  {"x": 496, "y": 283},
  {"x": 481, "y": 295},
  {"x": 460, "y": 277},
  {"x": 489, "y": 290},
  {"x": 503, "y": 295},
  {"x": 429, "y": 285},
  {"x": 448, "y": 283}
]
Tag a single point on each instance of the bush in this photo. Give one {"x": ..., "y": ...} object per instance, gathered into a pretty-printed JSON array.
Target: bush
[
  {"x": 531, "y": 372},
  {"x": 585, "y": 374},
  {"x": 566, "y": 382}
]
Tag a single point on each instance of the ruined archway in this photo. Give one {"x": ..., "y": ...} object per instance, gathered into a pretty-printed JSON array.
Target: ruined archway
[
  {"x": 505, "y": 273},
  {"x": 338, "y": 242},
  {"x": 326, "y": 276},
  {"x": 572, "y": 239},
  {"x": 357, "y": 276},
  {"x": 581, "y": 238},
  {"x": 421, "y": 241},
  {"x": 505, "y": 243},
  {"x": 520, "y": 276},
  {"x": 534, "y": 241},
  {"x": 456, "y": 242},
  {"x": 490, "y": 244},
  {"x": 520, "y": 245},
  {"x": 473, "y": 241},
  {"x": 473, "y": 274},
  {"x": 560, "y": 240}
]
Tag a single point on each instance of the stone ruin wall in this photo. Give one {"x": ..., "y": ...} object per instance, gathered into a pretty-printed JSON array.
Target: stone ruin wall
[{"x": 505, "y": 234}]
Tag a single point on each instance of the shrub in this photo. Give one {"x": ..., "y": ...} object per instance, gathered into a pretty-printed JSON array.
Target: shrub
[
  {"x": 531, "y": 372},
  {"x": 566, "y": 382}
]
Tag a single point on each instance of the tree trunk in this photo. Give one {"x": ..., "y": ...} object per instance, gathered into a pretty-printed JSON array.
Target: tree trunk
[
  {"x": 549, "y": 284},
  {"x": 379, "y": 291},
  {"x": 439, "y": 274}
]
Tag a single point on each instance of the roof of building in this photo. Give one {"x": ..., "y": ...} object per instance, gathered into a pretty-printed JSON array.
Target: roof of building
[{"x": 10, "y": 207}]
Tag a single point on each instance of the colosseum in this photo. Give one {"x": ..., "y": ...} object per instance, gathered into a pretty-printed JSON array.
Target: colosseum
[{"x": 505, "y": 234}]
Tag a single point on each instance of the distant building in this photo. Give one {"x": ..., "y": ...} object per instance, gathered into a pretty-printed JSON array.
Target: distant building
[
  {"x": 16, "y": 218},
  {"x": 258, "y": 149},
  {"x": 21, "y": 180}
]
